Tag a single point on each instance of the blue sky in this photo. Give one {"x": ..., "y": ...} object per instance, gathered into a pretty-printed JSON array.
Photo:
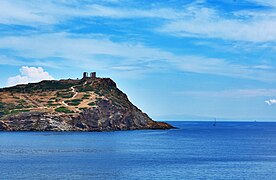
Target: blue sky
[{"x": 175, "y": 59}]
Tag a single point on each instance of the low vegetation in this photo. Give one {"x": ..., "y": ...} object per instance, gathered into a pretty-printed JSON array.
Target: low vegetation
[
  {"x": 1, "y": 105},
  {"x": 85, "y": 88},
  {"x": 51, "y": 96},
  {"x": 63, "y": 110},
  {"x": 74, "y": 102},
  {"x": 50, "y": 104},
  {"x": 19, "y": 111},
  {"x": 65, "y": 94},
  {"x": 40, "y": 87},
  {"x": 83, "y": 108},
  {"x": 6, "y": 112},
  {"x": 86, "y": 96},
  {"x": 92, "y": 104}
]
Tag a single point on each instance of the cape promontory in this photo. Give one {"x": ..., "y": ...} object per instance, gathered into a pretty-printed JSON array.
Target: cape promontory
[{"x": 87, "y": 104}]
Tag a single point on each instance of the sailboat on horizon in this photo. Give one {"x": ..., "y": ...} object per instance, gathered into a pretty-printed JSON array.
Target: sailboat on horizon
[{"x": 215, "y": 122}]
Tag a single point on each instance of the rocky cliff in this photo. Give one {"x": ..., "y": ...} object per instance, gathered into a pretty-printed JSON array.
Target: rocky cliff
[{"x": 89, "y": 104}]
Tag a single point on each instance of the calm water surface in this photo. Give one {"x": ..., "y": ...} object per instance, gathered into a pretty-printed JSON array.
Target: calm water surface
[{"x": 197, "y": 150}]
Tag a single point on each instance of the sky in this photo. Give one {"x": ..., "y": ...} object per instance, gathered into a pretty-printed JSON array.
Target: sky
[{"x": 175, "y": 59}]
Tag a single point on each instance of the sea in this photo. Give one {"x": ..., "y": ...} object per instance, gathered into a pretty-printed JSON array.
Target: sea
[{"x": 196, "y": 150}]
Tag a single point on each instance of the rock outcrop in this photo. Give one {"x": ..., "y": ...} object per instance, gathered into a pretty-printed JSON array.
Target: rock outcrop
[{"x": 94, "y": 105}]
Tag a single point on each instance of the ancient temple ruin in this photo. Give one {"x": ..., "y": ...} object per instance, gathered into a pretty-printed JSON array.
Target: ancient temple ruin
[{"x": 92, "y": 75}]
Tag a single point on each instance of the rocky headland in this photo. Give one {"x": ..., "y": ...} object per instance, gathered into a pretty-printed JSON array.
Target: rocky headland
[{"x": 87, "y": 104}]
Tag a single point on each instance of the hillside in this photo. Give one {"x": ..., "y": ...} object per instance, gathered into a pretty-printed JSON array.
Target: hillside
[{"x": 88, "y": 104}]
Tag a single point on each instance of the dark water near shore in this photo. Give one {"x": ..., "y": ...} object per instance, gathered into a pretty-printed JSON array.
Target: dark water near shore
[{"x": 197, "y": 150}]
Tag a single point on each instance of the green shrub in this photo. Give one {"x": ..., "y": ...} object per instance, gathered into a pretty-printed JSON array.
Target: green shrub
[
  {"x": 21, "y": 101},
  {"x": 4, "y": 112},
  {"x": 63, "y": 110},
  {"x": 1, "y": 105},
  {"x": 18, "y": 111},
  {"x": 50, "y": 104},
  {"x": 85, "y": 88},
  {"x": 86, "y": 96},
  {"x": 92, "y": 104},
  {"x": 65, "y": 94},
  {"x": 74, "y": 102},
  {"x": 15, "y": 97},
  {"x": 20, "y": 106},
  {"x": 83, "y": 108}
]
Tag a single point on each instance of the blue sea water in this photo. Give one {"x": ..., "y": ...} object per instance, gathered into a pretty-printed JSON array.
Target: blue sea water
[{"x": 197, "y": 150}]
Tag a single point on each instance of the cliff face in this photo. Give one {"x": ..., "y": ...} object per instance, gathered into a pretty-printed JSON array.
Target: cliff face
[{"x": 71, "y": 105}]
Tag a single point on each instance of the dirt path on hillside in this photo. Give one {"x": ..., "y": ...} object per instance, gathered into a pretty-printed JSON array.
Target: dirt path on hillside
[
  {"x": 75, "y": 94},
  {"x": 32, "y": 101}
]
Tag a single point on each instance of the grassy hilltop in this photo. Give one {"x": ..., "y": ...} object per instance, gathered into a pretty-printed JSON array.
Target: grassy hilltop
[{"x": 68, "y": 96}]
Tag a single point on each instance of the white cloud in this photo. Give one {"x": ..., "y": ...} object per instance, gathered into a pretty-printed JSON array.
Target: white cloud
[
  {"x": 53, "y": 12},
  {"x": 209, "y": 23},
  {"x": 17, "y": 12},
  {"x": 81, "y": 51},
  {"x": 104, "y": 54},
  {"x": 193, "y": 20},
  {"x": 270, "y": 102},
  {"x": 12, "y": 61},
  {"x": 266, "y": 2},
  {"x": 222, "y": 67},
  {"x": 236, "y": 93},
  {"x": 29, "y": 75}
]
